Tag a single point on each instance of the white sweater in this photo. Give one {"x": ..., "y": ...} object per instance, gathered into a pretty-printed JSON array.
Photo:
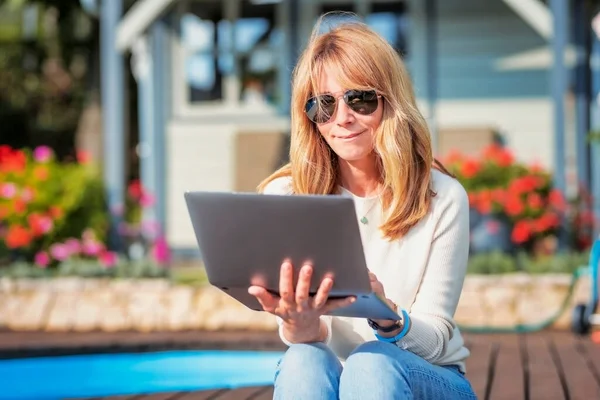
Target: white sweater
[{"x": 422, "y": 273}]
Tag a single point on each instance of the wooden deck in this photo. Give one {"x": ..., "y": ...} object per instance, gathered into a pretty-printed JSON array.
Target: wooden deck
[{"x": 544, "y": 366}]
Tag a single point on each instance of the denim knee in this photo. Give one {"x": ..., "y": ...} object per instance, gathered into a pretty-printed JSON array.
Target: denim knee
[
  {"x": 369, "y": 373},
  {"x": 374, "y": 356},
  {"x": 312, "y": 355},
  {"x": 308, "y": 371},
  {"x": 308, "y": 362}
]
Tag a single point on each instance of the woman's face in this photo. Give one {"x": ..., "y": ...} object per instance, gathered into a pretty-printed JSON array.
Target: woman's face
[{"x": 348, "y": 133}]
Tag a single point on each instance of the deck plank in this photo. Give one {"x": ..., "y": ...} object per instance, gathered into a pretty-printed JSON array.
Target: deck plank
[
  {"x": 478, "y": 363},
  {"x": 241, "y": 393},
  {"x": 581, "y": 383},
  {"x": 265, "y": 394},
  {"x": 590, "y": 351},
  {"x": 544, "y": 381},
  {"x": 203, "y": 395},
  {"x": 157, "y": 396},
  {"x": 508, "y": 381}
]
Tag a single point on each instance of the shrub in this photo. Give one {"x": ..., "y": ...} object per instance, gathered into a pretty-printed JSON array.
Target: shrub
[
  {"x": 494, "y": 263},
  {"x": 523, "y": 196},
  {"x": 44, "y": 202}
]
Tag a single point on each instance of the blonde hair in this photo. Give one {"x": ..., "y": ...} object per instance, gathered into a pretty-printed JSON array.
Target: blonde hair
[{"x": 363, "y": 60}]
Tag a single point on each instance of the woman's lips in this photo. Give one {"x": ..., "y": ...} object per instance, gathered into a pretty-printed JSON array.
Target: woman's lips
[{"x": 350, "y": 136}]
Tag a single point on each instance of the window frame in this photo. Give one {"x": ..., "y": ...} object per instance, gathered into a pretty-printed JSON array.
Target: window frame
[{"x": 231, "y": 105}]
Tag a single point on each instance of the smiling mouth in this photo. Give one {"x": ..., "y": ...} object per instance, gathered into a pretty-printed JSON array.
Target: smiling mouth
[{"x": 351, "y": 136}]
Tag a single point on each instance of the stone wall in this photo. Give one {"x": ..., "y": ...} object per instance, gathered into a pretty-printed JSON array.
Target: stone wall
[{"x": 77, "y": 304}]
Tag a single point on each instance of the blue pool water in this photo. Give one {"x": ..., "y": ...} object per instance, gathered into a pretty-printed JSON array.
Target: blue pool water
[{"x": 112, "y": 374}]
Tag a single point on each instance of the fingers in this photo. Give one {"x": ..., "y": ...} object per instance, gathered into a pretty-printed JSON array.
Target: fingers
[
  {"x": 286, "y": 282},
  {"x": 376, "y": 286},
  {"x": 323, "y": 293},
  {"x": 267, "y": 300},
  {"x": 303, "y": 288},
  {"x": 338, "y": 303}
]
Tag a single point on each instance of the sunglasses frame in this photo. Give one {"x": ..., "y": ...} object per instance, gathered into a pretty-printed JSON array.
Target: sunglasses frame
[{"x": 337, "y": 96}]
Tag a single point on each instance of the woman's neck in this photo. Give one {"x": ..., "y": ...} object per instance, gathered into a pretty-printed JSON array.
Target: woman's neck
[{"x": 360, "y": 177}]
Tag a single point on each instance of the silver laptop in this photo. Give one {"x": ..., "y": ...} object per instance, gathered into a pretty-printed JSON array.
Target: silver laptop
[{"x": 245, "y": 237}]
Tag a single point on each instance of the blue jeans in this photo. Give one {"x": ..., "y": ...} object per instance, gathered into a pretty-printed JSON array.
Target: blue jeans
[{"x": 374, "y": 370}]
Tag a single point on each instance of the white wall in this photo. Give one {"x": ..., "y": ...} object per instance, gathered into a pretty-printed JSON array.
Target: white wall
[
  {"x": 527, "y": 125},
  {"x": 201, "y": 156}
]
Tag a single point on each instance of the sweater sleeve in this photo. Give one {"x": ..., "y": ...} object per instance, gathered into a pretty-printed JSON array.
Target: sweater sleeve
[{"x": 432, "y": 313}]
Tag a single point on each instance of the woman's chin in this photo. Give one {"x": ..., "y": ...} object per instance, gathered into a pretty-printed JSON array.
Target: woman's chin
[{"x": 354, "y": 155}]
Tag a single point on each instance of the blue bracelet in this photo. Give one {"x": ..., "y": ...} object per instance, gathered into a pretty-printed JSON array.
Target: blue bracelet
[{"x": 395, "y": 339}]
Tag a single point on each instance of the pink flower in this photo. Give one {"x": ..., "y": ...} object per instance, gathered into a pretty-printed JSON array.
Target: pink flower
[
  {"x": 59, "y": 252},
  {"x": 146, "y": 200},
  {"x": 42, "y": 154},
  {"x": 8, "y": 190},
  {"x": 161, "y": 251},
  {"x": 42, "y": 259},
  {"x": 150, "y": 229},
  {"x": 108, "y": 259},
  {"x": 91, "y": 248},
  {"x": 73, "y": 246}
]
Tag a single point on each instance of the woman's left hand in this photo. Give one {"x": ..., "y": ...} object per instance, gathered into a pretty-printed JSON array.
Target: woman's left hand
[{"x": 377, "y": 287}]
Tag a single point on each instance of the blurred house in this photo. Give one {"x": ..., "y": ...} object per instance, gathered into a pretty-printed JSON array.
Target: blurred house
[{"x": 213, "y": 78}]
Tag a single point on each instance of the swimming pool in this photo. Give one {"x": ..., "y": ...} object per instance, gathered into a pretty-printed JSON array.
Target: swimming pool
[{"x": 130, "y": 373}]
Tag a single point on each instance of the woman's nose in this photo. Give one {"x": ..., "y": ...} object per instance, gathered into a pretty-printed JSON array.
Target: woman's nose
[{"x": 344, "y": 114}]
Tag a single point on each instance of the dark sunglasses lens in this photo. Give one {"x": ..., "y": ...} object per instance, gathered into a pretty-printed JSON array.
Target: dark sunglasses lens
[
  {"x": 319, "y": 109},
  {"x": 362, "y": 101}
]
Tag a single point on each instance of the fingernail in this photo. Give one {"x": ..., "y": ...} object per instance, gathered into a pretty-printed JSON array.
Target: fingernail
[{"x": 353, "y": 299}]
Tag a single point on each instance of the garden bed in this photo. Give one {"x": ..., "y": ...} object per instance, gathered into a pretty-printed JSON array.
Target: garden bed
[{"x": 80, "y": 304}]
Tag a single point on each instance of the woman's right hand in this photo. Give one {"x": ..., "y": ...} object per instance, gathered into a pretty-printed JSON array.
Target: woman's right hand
[{"x": 299, "y": 311}]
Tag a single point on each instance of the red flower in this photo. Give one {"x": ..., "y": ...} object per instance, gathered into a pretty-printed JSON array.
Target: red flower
[
  {"x": 499, "y": 196},
  {"x": 83, "y": 157},
  {"x": 556, "y": 200},
  {"x": 20, "y": 206},
  {"x": 40, "y": 224},
  {"x": 56, "y": 212},
  {"x": 534, "y": 201},
  {"x": 499, "y": 155},
  {"x": 546, "y": 222},
  {"x": 135, "y": 189},
  {"x": 470, "y": 168},
  {"x": 12, "y": 160},
  {"x": 484, "y": 202},
  {"x": 513, "y": 206},
  {"x": 17, "y": 236},
  {"x": 521, "y": 232},
  {"x": 524, "y": 184}
]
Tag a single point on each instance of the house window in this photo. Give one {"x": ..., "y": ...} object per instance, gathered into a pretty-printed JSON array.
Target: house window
[
  {"x": 207, "y": 45},
  {"x": 259, "y": 45},
  {"x": 390, "y": 20},
  {"x": 227, "y": 42}
]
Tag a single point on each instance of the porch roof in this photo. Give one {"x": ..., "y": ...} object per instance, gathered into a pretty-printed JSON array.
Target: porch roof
[{"x": 139, "y": 18}]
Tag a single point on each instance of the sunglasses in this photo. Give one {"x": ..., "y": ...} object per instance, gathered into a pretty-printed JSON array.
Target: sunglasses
[{"x": 320, "y": 109}]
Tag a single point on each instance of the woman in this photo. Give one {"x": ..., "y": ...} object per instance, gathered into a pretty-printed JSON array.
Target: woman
[{"x": 356, "y": 131}]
